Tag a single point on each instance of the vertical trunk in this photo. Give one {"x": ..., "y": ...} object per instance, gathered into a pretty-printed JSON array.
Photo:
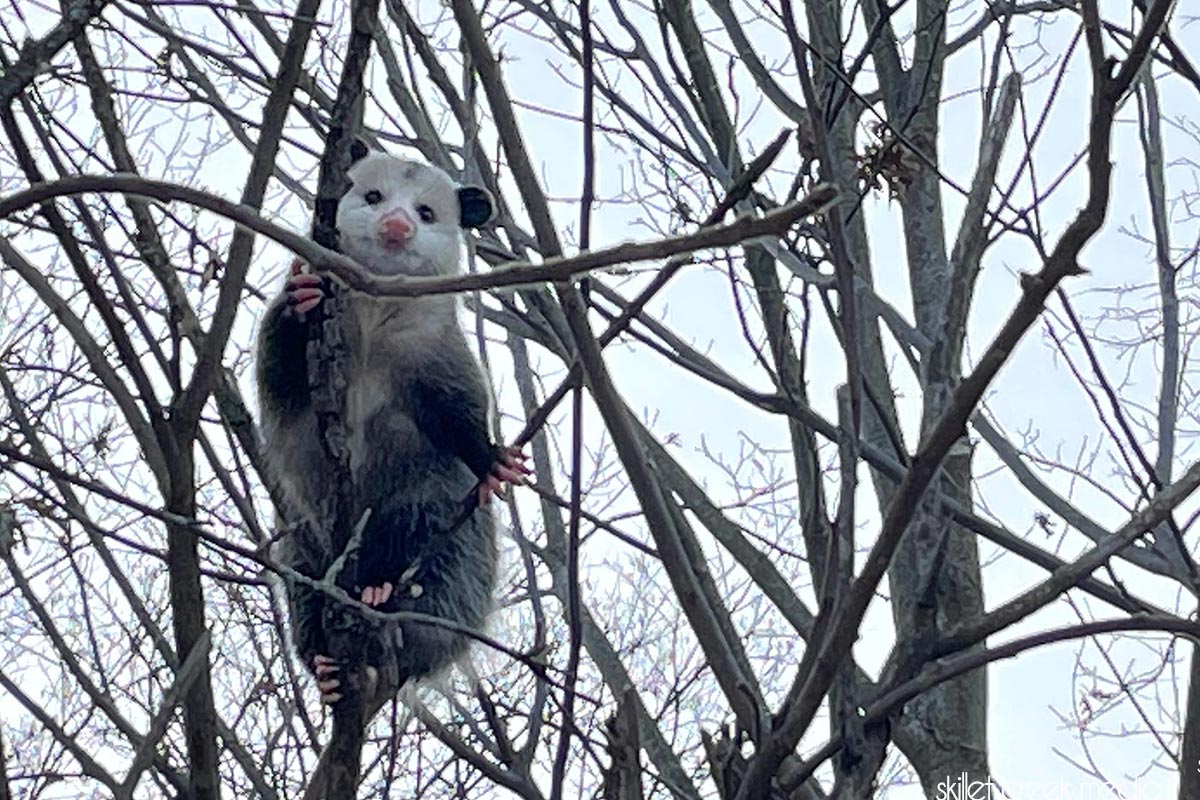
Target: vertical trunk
[
  {"x": 4, "y": 793},
  {"x": 936, "y": 584},
  {"x": 935, "y": 576},
  {"x": 187, "y": 604},
  {"x": 1189, "y": 756}
]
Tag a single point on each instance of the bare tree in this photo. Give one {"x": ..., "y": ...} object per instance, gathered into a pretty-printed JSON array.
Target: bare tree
[{"x": 707, "y": 212}]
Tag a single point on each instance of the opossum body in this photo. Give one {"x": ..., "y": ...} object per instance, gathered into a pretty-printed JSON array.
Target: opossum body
[{"x": 415, "y": 419}]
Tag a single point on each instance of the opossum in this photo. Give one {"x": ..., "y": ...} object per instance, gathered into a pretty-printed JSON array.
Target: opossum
[{"x": 415, "y": 418}]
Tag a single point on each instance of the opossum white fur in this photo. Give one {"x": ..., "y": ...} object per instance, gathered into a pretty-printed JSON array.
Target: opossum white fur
[{"x": 415, "y": 418}]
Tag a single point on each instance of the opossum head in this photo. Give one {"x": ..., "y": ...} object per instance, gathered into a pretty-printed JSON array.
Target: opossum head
[{"x": 404, "y": 217}]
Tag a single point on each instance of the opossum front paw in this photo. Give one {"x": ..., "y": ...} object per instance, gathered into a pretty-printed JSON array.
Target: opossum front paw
[
  {"x": 376, "y": 595},
  {"x": 305, "y": 291},
  {"x": 509, "y": 468},
  {"x": 326, "y": 670}
]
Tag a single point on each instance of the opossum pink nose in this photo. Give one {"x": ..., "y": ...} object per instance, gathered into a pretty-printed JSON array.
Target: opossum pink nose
[{"x": 395, "y": 230}]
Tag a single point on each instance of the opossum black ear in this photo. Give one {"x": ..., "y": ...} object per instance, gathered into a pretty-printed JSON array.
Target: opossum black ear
[
  {"x": 358, "y": 150},
  {"x": 474, "y": 206}
]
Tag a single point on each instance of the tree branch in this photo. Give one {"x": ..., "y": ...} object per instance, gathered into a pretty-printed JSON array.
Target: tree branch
[{"x": 774, "y": 223}]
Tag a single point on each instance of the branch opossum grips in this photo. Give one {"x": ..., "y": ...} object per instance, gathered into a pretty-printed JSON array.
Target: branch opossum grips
[
  {"x": 623, "y": 777},
  {"x": 327, "y": 364},
  {"x": 8, "y": 529}
]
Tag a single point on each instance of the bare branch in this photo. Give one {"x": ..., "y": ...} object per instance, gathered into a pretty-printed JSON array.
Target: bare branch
[
  {"x": 36, "y": 54},
  {"x": 773, "y": 223}
]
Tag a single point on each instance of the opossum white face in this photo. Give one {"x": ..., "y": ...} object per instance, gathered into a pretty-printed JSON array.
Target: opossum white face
[{"x": 400, "y": 217}]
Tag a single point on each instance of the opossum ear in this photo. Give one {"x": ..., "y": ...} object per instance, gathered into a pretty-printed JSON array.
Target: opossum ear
[
  {"x": 358, "y": 150},
  {"x": 474, "y": 206}
]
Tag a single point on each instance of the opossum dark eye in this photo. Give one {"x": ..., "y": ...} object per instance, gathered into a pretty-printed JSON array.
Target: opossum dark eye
[
  {"x": 373, "y": 197},
  {"x": 426, "y": 214}
]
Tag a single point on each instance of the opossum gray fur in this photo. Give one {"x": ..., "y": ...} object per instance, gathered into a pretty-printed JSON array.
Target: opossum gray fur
[{"x": 415, "y": 418}]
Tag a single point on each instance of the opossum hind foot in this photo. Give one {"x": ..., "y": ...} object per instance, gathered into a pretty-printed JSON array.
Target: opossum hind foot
[{"x": 327, "y": 670}]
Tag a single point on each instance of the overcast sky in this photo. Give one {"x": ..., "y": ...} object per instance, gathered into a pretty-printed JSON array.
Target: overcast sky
[{"x": 1035, "y": 392}]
